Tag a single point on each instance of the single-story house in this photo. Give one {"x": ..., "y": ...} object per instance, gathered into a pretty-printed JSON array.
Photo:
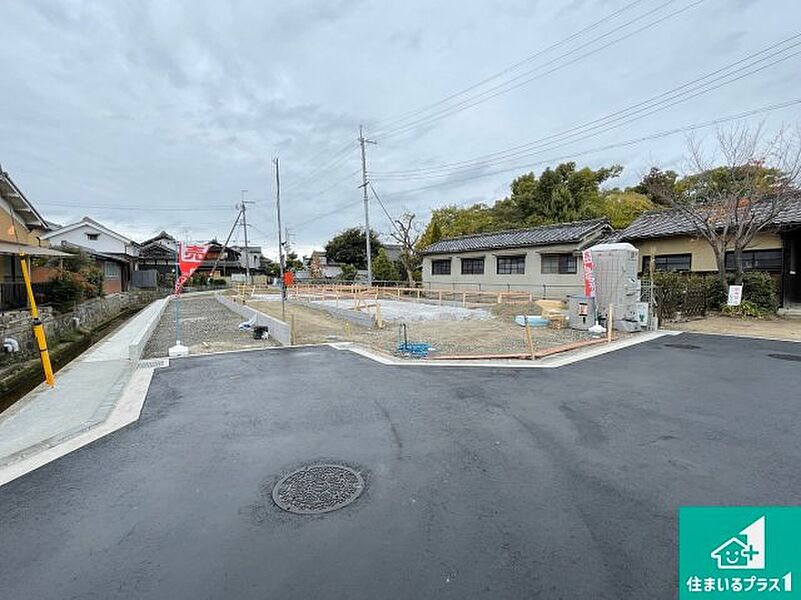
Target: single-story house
[
  {"x": 21, "y": 231},
  {"x": 674, "y": 243},
  {"x": 545, "y": 260}
]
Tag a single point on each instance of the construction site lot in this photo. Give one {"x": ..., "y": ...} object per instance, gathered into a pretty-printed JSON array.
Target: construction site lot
[
  {"x": 206, "y": 326},
  {"x": 449, "y": 330}
]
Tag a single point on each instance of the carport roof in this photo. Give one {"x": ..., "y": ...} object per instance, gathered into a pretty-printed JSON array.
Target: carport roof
[{"x": 545, "y": 235}]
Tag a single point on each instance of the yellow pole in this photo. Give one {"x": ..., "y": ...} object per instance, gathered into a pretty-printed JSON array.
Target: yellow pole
[{"x": 38, "y": 328}]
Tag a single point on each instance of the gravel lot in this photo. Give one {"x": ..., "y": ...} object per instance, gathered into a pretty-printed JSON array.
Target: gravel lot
[
  {"x": 497, "y": 334},
  {"x": 206, "y": 326}
]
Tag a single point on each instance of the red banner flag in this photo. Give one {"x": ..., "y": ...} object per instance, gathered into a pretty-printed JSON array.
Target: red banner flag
[
  {"x": 589, "y": 273},
  {"x": 190, "y": 257}
]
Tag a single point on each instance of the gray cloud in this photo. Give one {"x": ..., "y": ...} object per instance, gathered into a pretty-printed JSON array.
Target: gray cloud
[{"x": 148, "y": 105}]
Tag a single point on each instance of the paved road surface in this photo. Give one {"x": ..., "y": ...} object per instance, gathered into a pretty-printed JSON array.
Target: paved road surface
[{"x": 561, "y": 483}]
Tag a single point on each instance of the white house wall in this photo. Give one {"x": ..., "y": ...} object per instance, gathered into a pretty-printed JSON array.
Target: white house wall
[
  {"x": 104, "y": 243},
  {"x": 533, "y": 280}
]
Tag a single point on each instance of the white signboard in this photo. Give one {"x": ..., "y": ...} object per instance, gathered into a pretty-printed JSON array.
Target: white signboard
[{"x": 735, "y": 295}]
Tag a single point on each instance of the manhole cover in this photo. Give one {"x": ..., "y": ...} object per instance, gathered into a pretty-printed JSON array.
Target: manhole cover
[
  {"x": 318, "y": 489},
  {"x": 684, "y": 346},
  {"x": 793, "y": 357}
]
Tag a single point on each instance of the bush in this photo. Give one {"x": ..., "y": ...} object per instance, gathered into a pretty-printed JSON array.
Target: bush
[
  {"x": 69, "y": 289},
  {"x": 759, "y": 289},
  {"x": 745, "y": 309}
]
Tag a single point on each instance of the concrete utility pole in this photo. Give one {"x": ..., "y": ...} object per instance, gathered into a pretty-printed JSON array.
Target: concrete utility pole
[
  {"x": 243, "y": 208},
  {"x": 362, "y": 143},
  {"x": 280, "y": 240}
]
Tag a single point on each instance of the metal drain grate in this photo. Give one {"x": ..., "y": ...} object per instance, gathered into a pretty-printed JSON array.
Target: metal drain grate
[
  {"x": 316, "y": 489},
  {"x": 153, "y": 363},
  {"x": 792, "y": 357},
  {"x": 683, "y": 346}
]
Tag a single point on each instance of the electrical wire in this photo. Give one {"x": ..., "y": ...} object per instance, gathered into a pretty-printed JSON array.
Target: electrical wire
[
  {"x": 606, "y": 123},
  {"x": 505, "y": 87},
  {"x": 630, "y": 142},
  {"x": 388, "y": 122}
]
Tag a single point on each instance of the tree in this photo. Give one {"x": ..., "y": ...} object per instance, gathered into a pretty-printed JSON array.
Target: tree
[
  {"x": 559, "y": 195},
  {"x": 621, "y": 207},
  {"x": 729, "y": 204},
  {"x": 315, "y": 267},
  {"x": 656, "y": 184},
  {"x": 383, "y": 268},
  {"x": 349, "y": 247},
  {"x": 348, "y": 273},
  {"x": 405, "y": 233}
]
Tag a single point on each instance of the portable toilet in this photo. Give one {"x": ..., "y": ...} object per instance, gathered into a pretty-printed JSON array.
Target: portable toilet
[{"x": 615, "y": 270}]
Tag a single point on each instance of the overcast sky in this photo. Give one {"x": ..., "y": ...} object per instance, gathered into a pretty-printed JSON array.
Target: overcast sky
[{"x": 154, "y": 115}]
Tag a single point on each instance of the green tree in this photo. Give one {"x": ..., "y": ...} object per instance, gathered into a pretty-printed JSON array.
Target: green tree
[
  {"x": 657, "y": 185},
  {"x": 349, "y": 247},
  {"x": 383, "y": 268},
  {"x": 348, "y": 273},
  {"x": 621, "y": 207}
]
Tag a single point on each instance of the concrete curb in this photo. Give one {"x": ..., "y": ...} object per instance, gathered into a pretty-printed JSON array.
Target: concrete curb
[
  {"x": 278, "y": 330},
  {"x": 125, "y": 411},
  {"x": 545, "y": 363},
  {"x": 352, "y": 316},
  {"x": 136, "y": 348}
]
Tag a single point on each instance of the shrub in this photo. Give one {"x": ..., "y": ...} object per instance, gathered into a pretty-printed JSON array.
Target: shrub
[
  {"x": 759, "y": 289},
  {"x": 68, "y": 289},
  {"x": 745, "y": 309},
  {"x": 94, "y": 277}
]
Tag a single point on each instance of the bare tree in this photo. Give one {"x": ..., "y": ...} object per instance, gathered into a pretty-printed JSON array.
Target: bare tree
[
  {"x": 729, "y": 204},
  {"x": 406, "y": 234}
]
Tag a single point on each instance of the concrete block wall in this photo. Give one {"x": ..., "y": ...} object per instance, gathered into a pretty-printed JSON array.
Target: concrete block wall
[
  {"x": 88, "y": 315},
  {"x": 278, "y": 330}
]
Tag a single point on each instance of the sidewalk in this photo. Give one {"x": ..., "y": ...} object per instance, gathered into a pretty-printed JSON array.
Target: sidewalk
[{"x": 85, "y": 393}]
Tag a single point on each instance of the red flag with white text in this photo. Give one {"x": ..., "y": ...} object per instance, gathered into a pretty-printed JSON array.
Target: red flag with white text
[{"x": 190, "y": 257}]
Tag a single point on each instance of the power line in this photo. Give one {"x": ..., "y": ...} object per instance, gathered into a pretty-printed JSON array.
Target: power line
[
  {"x": 505, "y": 87},
  {"x": 384, "y": 123},
  {"x": 608, "y": 122},
  {"x": 139, "y": 208},
  {"x": 630, "y": 142}
]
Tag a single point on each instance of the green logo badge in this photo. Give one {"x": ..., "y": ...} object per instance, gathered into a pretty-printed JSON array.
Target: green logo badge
[{"x": 739, "y": 552}]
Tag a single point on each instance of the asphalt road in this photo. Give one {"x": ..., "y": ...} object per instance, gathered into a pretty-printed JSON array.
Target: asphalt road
[{"x": 538, "y": 483}]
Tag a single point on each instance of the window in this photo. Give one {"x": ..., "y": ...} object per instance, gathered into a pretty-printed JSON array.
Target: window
[
  {"x": 668, "y": 262},
  {"x": 441, "y": 267},
  {"x": 758, "y": 260},
  {"x": 111, "y": 270},
  {"x": 472, "y": 266},
  {"x": 512, "y": 265},
  {"x": 563, "y": 264},
  {"x": 92, "y": 236}
]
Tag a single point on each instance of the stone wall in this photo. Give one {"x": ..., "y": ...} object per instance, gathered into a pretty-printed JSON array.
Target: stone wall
[{"x": 88, "y": 315}]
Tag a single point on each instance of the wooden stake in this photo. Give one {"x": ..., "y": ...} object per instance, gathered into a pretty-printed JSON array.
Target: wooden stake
[
  {"x": 610, "y": 321},
  {"x": 529, "y": 341},
  {"x": 291, "y": 330}
]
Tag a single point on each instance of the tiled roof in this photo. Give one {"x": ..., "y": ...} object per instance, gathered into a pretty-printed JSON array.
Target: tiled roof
[
  {"x": 671, "y": 222},
  {"x": 559, "y": 233}
]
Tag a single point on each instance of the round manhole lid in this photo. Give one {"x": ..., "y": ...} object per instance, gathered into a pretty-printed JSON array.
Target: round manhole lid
[
  {"x": 316, "y": 489},
  {"x": 792, "y": 357},
  {"x": 684, "y": 346}
]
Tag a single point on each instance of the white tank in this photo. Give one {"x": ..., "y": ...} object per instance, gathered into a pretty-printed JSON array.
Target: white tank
[{"x": 615, "y": 269}]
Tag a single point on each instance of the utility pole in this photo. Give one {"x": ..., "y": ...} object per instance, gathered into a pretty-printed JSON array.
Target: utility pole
[
  {"x": 243, "y": 208},
  {"x": 362, "y": 143},
  {"x": 280, "y": 239}
]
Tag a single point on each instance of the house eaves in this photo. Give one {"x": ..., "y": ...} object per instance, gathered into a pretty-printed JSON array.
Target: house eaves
[{"x": 22, "y": 208}]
